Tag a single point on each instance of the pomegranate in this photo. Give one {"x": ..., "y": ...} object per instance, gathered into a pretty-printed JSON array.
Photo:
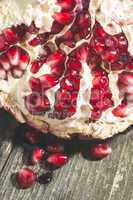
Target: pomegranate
[{"x": 66, "y": 66}]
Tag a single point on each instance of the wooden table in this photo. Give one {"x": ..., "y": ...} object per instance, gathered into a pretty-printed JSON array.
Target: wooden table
[{"x": 80, "y": 179}]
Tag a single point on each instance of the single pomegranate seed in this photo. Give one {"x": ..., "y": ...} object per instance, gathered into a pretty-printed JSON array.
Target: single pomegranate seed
[
  {"x": 4, "y": 62},
  {"x": 66, "y": 84},
  {"x": 3, "y": 44},
  {"x": 66, "y": 4},
  {"x": 45, "y": 178},
  {"x": 23, "y": 59},
  {"x": 99, "y": 31},
  {"x": 64, "y": 18},
  {"x": 74, "y": 64},
  {"x": 35, "y": 84},
  {"x": 99, "y": 151},
  {"x": 36, "y": 65},
  {"x": 14, "y": 55},
  {"x": 55, "y": 148},
  {"x": 32, "y": 137},
  {"x": 10, "y": 35},
  {"x": 56, "y": 27},
  {"x": 57, "y": 70},
  {"x": 95, "y": 114},
  {"x": 26, "y": 178},
  {"x": 57, "y": 159},
  {"x": 34, "y": 42},
  {"x": 57, "y": 58},
  {"x": 37, "y": 155},
  {"x": 48, "y": 81}
]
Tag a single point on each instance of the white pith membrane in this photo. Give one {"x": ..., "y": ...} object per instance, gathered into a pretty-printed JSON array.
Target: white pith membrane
[{"x": 13, "y": 92}]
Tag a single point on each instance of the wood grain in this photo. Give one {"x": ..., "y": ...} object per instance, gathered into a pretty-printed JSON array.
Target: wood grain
[{"x": 80, "y": 179}]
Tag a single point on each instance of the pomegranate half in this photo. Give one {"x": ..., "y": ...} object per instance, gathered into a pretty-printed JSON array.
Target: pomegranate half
[{"x": 66, "y": 66}]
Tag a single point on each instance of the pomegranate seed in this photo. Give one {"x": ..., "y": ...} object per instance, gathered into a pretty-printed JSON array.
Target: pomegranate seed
[
  {"x": 37, "y": 155},
  {"x": 99, "y": 151},
  {"x": 4, "y": 62},
  {"x": 55, "y": 148},
  {"x": 74, "y": 64},
  {"x": 111, "y": 42},
  {"x": 99, "y": 31},
  {"x": 56, "y": 27},
  {"x": 3, "y": 74},
  {"x": 10, "y": 35},
  {"x": 35, "y": 66},
  {"x": 23, "y": 59},
  {"x": 64, "y": 18},
  {"x": 45, "y": 178},
  {"x": 35, "y": 84},
  {"x": 26, "y": 178},
  {"x": 14, "y": 55},
  {"x": 34, "y": 42},
  {"x": 57, "y": 159},
  {"x": 95, "y": 114},
  {"x": 56, "y": 58},
  {"x": 67, "y": 39},
  {"x": 66, "y": 84},
  {"x": 48, "y": 81},
  {"x": 32, "y": 137},
  {"x": 99, "y": 46},
  {"x": 3, "y": 44},
  {"x": 66, "y": 4},
  {"x": 57, "y": 70}
]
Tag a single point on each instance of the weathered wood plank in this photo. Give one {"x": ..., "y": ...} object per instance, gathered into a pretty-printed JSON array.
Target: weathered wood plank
[
  {"x": 80, "y": 179},
  {"x": 7, "y": 126}
]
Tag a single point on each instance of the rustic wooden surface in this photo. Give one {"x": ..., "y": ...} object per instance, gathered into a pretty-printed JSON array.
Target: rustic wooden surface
[{"x": 80, "y": 179}]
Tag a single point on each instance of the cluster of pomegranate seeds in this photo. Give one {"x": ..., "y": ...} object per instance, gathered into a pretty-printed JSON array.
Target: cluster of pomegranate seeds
[
  {"x": 101, "y": 97},
  {"x": 51, "y": 152}
]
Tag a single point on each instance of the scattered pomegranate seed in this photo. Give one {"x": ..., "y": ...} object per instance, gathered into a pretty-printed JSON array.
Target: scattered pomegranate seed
[
  {"x": 99, "y": 151},
  {"x": 37, "y": 155},
  {"x": 26, "y": 178},
  {"x": 45, "y": 178},
  {"x": 57, "y": 159},
  {"x": 55, "y": 148}
]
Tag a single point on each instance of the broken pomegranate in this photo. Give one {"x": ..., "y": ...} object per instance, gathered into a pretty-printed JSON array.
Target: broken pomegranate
[{"x": 67, "y": 67}]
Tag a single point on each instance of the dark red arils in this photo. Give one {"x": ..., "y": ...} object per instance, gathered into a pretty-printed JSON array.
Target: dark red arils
[
  {"x": 48, "y": 81},
  {"x": 45, "y": 178},
  {"x": 64, "y": 18},
  {"x": 10, "y": 35},
  {"x": 57, "y": 159},
  {"x": 39, "y": 39},
  {"x": 74, "y": 64},
  {"x": 55, "y": 148},
  {"x": 99, "y": 151},
  {"x": 36, "y": 65},
  {"x": 26, "y": 178},
  {"x": 56, "y": 58},
  {"x": 3, "y": 43},
  {"x": 37, "y": 155}
]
